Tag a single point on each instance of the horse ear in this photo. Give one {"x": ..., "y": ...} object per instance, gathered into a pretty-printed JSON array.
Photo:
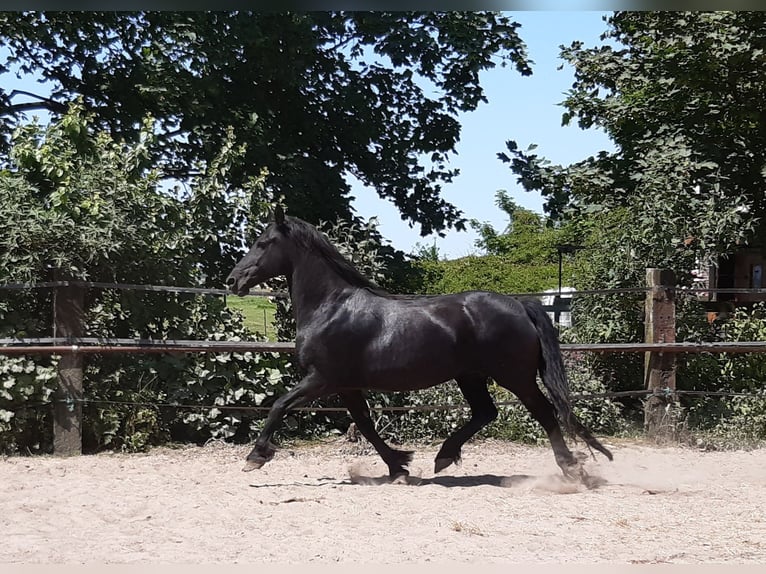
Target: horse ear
[{"x": 279, "y": 215}]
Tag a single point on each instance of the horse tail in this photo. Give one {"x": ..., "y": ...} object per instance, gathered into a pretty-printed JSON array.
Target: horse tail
[{"x": 553, "y": 375}]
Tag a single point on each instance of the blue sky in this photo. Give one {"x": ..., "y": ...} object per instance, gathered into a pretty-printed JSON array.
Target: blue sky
[{"x": 525, "y": 109}]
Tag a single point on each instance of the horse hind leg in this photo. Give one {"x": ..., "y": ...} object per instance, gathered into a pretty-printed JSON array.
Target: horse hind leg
[
  {"x": 541, "y": 409},
  {"x": 357, "y": 406},
  {"x": 483, "y": 412}
]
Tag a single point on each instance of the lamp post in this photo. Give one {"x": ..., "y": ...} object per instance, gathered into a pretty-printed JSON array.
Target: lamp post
[{"x": 565, "y": 248}]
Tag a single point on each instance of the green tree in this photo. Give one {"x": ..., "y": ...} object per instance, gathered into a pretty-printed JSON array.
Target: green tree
[
  {"x": 76, "y": 203},
  {"x": 529, "y": 238},
  {"x": 79, "y": 201},
  {"x": 313, "y": 96},
  {"x": 679, "y": 93},
  {"x": 523, "y": 258}
]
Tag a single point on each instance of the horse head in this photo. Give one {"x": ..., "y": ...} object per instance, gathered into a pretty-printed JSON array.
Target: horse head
[{"x": 267, "y": 258}]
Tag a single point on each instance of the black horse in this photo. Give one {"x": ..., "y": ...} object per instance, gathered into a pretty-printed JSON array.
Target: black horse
[{"x": 352, "y": 336}]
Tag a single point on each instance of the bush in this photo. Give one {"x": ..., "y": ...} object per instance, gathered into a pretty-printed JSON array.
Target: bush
[
  {"x": 123, "y": 388},
  {"x": 734, "y": 420},
  {"x": 26, "y": 382},
  {"x": 602, "y": 415},
  {"x": 122, "y": 391},
  {"x": 487, "y": 272}
]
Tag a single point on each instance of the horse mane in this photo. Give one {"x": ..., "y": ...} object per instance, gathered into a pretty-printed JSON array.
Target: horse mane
[{"x": 309, "y": 237}]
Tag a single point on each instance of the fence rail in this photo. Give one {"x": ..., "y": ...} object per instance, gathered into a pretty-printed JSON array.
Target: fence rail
[
  {"x": 95, "y": 345},
  {"x": 576, "y": 397}
]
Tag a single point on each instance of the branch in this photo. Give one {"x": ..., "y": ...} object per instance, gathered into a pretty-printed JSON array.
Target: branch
[
  {"x": 341, "y": 43},
  {"x": 43, "y": 104},
  {"x": 39, "y": 97},
  {"x": 50, "y": 106},
  {"x": 180, "y": 174}
]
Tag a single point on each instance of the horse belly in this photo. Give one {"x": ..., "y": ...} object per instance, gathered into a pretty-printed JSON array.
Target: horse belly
[{"x": 408, "y": 367}]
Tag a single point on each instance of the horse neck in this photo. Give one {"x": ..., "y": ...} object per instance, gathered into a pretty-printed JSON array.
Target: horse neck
[{"x": 312, "y": 284}]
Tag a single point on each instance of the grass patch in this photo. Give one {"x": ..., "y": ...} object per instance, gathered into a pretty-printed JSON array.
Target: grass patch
[{"x": 258, "y": 312}]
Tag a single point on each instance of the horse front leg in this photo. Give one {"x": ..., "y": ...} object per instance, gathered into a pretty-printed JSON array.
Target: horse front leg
[
  {"x": 309, "y": 388},
  {"x": 359, "y": 410}
]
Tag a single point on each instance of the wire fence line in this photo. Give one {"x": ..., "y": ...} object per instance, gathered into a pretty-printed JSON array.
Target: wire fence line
[
  {"x": 284, "y": 294},
  {"x": 99, "y": 345},
  {"x": 137, "y": 287},
  {"x": 581, "y": 397}
]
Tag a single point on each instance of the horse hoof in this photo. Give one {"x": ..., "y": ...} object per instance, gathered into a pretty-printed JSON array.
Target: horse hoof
[
  {"x": 252, "y": 465},
  {"x": 400, "y": 478},
  {"x": 574, "y": 472},
  {"x": 442, "y": 463}
]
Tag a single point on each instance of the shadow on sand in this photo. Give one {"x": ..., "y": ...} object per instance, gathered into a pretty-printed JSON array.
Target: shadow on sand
[{"x": 549, "y": 483}]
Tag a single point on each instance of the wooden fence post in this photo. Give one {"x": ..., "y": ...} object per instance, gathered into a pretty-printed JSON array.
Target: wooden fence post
[
  {"x": 659, "y": 367},
  {"x": 68, "y": 306}
]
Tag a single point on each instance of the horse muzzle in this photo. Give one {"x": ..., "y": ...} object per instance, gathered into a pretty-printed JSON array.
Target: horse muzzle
[{"x": 236, "y": 285}]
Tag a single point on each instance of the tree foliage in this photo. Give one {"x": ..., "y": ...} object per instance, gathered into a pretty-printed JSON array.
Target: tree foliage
[
  {"x": 497, "y": 273},
  {"x": 75, "y": 200},
  {"x": 679, "y": 93},
  {"x": 529, "y": 238},
  {"x": 313, "y": 96},
  {"x": 76, "y": 203}
]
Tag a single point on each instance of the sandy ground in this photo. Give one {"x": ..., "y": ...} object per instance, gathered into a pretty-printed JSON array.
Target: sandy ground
[{"x": 331, "y": 503}]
